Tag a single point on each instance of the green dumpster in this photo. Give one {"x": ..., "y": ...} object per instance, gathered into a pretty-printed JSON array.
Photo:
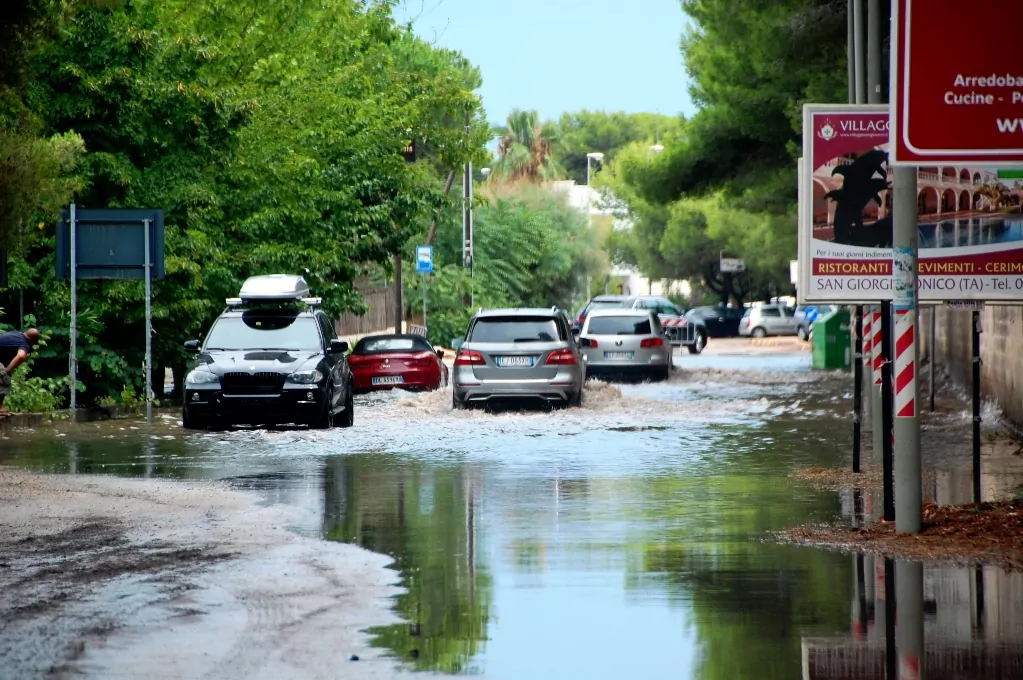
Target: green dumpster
[{"x": 831, "y": 341}]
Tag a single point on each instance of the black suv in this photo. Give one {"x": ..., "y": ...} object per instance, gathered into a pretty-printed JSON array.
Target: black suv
[{"x": 271, "y": 358}]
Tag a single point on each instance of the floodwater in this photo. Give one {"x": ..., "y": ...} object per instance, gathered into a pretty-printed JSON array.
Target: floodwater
[{"x": 625, "y": 538}]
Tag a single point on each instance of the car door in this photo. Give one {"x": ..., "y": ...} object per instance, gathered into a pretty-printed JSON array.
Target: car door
[
  {"x": 335, "y": 362},
  {"x": 771, "y": 319},
  {"x": 790, "y": 323}
]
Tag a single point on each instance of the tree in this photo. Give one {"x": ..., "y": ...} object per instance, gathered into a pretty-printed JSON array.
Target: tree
[
  {"x": 526, "y": 149},
  {"x": 269, "y": 133},
  {"x": 607, "y": 132}
]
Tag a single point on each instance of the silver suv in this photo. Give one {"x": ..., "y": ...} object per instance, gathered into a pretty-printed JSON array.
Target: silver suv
[{"x": 517, "y": 354}]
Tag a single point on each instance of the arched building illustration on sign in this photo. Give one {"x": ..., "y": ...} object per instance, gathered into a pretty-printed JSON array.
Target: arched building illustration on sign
[{"x": 943, "y": 193}]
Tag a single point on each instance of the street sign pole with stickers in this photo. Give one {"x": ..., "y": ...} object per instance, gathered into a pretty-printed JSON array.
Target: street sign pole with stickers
[{"x": 424, "y": 266}]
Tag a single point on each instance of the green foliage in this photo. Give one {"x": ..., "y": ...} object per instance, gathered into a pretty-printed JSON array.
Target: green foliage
[
  {"x": 34, "y": 394},
  {"x": 270, "y": 135},
  {"x": 526, "y": 149},
  {"x": 589, "y": 131},
  {"x": 532, "y": 249}
]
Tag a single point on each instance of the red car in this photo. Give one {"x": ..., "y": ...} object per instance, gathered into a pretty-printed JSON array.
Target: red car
[{"x": 389, "y": 361}]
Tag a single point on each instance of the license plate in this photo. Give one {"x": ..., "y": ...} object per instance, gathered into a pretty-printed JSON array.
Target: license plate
[
  {"x": 514, "y": 361},
  {"x": 617, "y": 355},
  {"x": 388, "y": 380}
]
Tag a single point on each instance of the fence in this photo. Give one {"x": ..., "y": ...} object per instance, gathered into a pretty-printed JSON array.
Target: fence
[{"x": 379, "y": 316}]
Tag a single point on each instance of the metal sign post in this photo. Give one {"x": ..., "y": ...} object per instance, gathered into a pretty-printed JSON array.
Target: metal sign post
[
  {"x": 73, "y": 358},
  {"x": 106, "y": 244},
  {"x": 149, "y": 323},
  {"x": 424, "y": 266}
]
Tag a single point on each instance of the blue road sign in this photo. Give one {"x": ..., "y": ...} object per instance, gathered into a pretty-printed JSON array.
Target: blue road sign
[
  {"x": 424, "y": 259},
  {"x": 811, "y": 314}
]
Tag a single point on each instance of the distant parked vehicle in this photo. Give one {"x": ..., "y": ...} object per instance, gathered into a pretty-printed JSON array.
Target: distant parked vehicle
[
  {"x": 599, "y": 302},
  {"x": 720, "y": 322},
  {"x": 625, "y": 342},
  {"x": 389, "y": 361},
  {"x": 759, "y": 322},
  {"x": 680, "y": 329}
]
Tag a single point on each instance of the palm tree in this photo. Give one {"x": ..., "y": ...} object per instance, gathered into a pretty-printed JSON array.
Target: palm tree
[{"x": 525, "y": 150}]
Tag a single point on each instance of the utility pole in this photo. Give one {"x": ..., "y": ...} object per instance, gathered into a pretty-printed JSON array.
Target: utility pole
[
  {"x": 399, "y": 303},
  {"x": 905, "y": 241},
  {"x": 467, "y": 235}
]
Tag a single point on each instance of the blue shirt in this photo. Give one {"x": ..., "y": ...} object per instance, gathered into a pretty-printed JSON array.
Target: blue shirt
[{"x": 10, "y": 343}]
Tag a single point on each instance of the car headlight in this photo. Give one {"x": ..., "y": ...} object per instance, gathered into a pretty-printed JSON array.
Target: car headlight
[
  {"x": 305, "y": 377},
  {"x": 201, "y": 376}
]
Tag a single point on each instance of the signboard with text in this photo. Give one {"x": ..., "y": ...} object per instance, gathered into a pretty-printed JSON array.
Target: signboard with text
[
  {"x": 424, "y": 259},
  {"x": 732, "y": 265},
  {"x": 969, "y": 222},
  {"x": 964, "y": 104}
]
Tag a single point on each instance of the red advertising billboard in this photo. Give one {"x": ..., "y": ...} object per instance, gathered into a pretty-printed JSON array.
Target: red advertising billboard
[
  {"x": 957, "y": 83},
  {"x": 969, "y": 220}
]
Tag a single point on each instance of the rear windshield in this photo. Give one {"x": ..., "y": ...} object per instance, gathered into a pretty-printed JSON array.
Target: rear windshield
[
  {"x": 515, "y": 329},
  {"x": 374, "y": 345},
  {"x": 620, "y": 325}
]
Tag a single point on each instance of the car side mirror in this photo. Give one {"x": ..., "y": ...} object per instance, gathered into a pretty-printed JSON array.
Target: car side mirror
[
  {"x": 456, "y": 344},
  {"x": 440, "y": 354},
  {"x": 576, "y": 330},
  {"x": 192, "y": 346},
  {"x": 585, "y": 342},
  {"x": 338, "y": 346}
]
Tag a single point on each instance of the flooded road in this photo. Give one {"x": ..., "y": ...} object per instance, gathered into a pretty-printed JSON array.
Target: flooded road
[{"x": 620, "y": 539}]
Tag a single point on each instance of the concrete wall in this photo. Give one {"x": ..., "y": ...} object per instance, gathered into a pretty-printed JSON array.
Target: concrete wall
[{"x": 1001, "y": 351}]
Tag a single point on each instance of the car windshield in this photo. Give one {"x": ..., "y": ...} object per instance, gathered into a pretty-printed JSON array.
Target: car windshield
[
  {"x": 620, "y": 325},
  {"x": 373, "y": 345},
  {"x": 515, "y": 329},
  {"x": 259, "y": 330}
]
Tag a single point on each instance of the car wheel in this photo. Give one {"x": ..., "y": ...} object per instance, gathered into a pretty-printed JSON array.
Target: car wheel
[
  {"x": 759, "y": 332},
  {"x": 348, "y": 415},
  {"x": 325, "y": 420},
  {"x": 698, "y": 345},
  {"x": 191, "y": 422},
  {"x": 456, "y": 403}
]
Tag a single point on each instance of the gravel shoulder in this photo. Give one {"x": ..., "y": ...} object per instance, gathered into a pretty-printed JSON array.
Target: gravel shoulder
[{"x": 108, "y": 578}]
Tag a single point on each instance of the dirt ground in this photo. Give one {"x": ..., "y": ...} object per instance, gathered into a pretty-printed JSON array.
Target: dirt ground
[{"x": 109, "y": 578}]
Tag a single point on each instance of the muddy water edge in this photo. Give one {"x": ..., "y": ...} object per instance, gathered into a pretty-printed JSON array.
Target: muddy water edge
[{"x": 623, "y": 538}]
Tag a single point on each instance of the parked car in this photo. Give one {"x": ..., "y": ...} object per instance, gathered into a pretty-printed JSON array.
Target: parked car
[
  {"x": 678, "y": 328},
  {"x": 599, "y": 302},
  {"x": 388, "y": 361},
  {"x": 720, "y": 321},
  {"x": 804, "y": 327},
  {"x": 271, "y": 358},
  {"x": 625, "y": 342},
  {"x": 523, "y": 354},
  {"x": 765, "y": 320}
]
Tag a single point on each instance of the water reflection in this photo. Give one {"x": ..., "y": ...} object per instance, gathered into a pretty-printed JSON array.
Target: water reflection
[
  {"x": 915, "y": 621},
  {"x": 425, "y": 517}
]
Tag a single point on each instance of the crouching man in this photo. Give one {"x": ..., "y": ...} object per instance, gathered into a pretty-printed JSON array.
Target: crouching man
[{"x": 15, "y": 346}]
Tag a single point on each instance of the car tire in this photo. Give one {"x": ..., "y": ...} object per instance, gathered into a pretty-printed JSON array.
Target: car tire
[
  {"x": 325, "y": 420},
  {"x": 759, "y": 332},
  {"x": 698, "y": 345},
  {"x": 348, "y": 415},
  {"x": 803, "y": 334},
  {"x": 456, "y": 403},
  {"x": 191, "y": 422},
  {"x": 662, "y": 374}
]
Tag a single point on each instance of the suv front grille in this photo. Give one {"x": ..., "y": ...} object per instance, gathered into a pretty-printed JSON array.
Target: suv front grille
[{"x": 267, "y": 382}]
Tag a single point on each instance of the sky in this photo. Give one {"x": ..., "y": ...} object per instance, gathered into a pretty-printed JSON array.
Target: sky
[{"x": 558, "y": 56}]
